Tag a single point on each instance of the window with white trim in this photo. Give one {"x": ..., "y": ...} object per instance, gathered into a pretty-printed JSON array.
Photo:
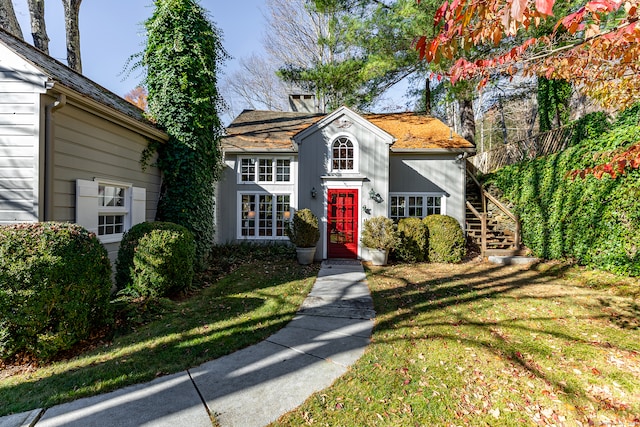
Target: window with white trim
[
  {"x": 265, "y": 170},
  {"x": 112, "y": 209},
  {"x": 414, "y": 205},
  {"x": 343, "y": 155},
  {"x": 264, "y": 215},
  {"x": 109, "y": 208}
]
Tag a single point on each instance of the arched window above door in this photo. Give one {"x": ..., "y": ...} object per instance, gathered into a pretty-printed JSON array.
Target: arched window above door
[{"x": 343, "y": 155}]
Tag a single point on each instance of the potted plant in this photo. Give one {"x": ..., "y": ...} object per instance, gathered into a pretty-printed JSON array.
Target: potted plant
[
  {"x": 379, "y": 235},
  {"x": 303, "y": 232}
]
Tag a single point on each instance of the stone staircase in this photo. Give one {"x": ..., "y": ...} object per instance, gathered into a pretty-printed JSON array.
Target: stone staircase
[{"x": 489, "y": 224}]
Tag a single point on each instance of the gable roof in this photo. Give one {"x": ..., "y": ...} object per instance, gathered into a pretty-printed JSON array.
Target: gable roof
[
  {"x": 254, "y": 131},
  {"x": 57, "y": 72},
  {"x": 418, "y": 132},
  {"x": 351, "y": 116}
]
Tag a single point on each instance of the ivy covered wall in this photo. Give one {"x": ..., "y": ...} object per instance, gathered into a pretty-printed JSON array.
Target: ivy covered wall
[{"x": 593, "y": 218}]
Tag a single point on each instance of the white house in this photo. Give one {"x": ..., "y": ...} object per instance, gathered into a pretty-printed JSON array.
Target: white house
[
  {"x": 344, "y": 166},
  {"x": 70, "y": 149}
]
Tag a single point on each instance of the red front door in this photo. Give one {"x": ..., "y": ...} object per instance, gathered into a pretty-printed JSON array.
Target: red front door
[{"x": 342, "y": 224}]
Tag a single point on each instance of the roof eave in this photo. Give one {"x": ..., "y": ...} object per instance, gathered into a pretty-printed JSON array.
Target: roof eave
[
  {"x": 85, "y": 102},
  {"x": 259, "y": 150},
  {"x": 434, "y": 150}
]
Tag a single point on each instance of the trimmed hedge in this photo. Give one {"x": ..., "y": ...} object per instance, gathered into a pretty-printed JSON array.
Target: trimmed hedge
[
  {"x": 446, "y": 239},
  {"x": 155, "y": 259},
  {"x": 55, "y": 284},
  {"x": 413, "y": 244},
  {"x": 594, "y": 221}
]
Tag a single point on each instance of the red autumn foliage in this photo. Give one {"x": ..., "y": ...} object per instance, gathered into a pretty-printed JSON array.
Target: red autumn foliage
[
  {"x": 618, "y": 165},
  {"x": 597, "y": 47}
]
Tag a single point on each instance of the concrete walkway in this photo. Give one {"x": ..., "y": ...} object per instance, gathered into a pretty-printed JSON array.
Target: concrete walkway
[{"x": 251, "y": 387}]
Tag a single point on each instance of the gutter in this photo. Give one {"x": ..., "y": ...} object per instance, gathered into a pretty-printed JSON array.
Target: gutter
[
  {"x": 49, "y": 109},
  {"x": 433, "y": 150}
]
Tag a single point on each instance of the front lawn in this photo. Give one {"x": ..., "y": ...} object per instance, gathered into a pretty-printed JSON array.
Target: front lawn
[
  {"x": 478, "y": 344},
  {"x": 253, "y": 301}
]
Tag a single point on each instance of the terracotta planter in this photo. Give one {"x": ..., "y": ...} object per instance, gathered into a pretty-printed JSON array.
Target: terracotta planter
[
  {"x": 378, "y": 256},
  {"x": 305, "y": 255}
]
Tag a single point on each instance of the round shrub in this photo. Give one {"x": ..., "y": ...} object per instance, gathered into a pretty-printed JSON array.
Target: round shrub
[
  {"x": 155, "y": 259},
  {"x": 303, "y": 231},
  {"x": 55, "y": 284},
  {"x": 413, "y": 240},
  {"x": 446, "y": 239},
  {"x": 379, "y": 232}
]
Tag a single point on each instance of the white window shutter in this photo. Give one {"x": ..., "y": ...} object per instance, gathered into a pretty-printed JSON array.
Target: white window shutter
[
  {"x": 87, "y": 204},
  {"x": 138, "y": 205}
]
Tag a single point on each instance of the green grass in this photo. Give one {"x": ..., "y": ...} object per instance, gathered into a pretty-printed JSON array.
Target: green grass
[
  {"x": 477, "y": 344},
  {"x": 247, "y": 305}
]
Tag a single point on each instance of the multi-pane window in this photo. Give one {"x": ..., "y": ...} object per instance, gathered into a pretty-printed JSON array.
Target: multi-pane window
[
  {"x": 248, "y": 215},
  {"x": 265, "y": 170},
  {"x": 414, "y": 205},
  {"x": 248, "y": 170},
  {"x": 434, "y": 205},
  {"x": 342, "y": 155},
  {"x": 112, "y": 208},
  {"x": 264, "y": 215},
  {"x": 402, "y": 206},
  {"x": 283, "y": 170},
  {"x": 283, "y": 213},
  {"x": 110, "y": 224}
]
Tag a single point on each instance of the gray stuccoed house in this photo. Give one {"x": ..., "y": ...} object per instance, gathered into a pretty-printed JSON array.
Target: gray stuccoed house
[
  {"x": 70, "y": 149},
  {"x": 344, "y": 166}
]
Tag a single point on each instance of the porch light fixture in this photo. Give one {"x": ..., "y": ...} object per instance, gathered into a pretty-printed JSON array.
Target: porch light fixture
[
  {"x": 376, "y": 197},
  {"x": 314, "y": 193}
]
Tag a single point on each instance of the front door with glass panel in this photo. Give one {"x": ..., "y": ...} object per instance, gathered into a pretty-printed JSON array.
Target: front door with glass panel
[{"x": 342, "y": 224}]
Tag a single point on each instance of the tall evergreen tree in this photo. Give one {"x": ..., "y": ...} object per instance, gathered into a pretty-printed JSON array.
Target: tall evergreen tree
[{"x": 182, "y": 57}]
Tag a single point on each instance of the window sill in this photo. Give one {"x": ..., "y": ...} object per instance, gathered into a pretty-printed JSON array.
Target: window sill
[{"x": 111, "y": 238}]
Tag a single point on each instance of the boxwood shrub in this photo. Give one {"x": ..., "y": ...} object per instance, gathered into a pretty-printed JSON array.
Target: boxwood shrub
[
  {"x": 155, "y": 259},
  {"x": 55, "y": 283},
  {"x": 413, "y": 240},
  {"x": 446, "y": 239}
]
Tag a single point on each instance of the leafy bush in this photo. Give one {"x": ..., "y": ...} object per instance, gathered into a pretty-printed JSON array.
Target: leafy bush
[
  {"x": 446, "y": 239},
  {"x": 413, "y": 240},
  {"x": 303, "y": 231},
  {"x": 590, "y": 126},
  {"x": 155, "y": 259},
  {"x": 379, "y": 232},
  {"x": 594, "y": 221},
  {"x": 55, "y": 283}
]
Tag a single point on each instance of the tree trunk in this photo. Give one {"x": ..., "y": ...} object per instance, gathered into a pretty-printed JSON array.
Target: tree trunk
[
  {"x": 8, "y": 20},
  {"x": 71, "y": 12},
  {"x": 467, "y": 121},
  {"x": 38, "y": 27},
  {"x": 427, "y": 97}
]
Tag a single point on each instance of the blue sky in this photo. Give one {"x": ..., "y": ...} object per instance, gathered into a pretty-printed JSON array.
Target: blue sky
[{"x": 111, "y": 31}]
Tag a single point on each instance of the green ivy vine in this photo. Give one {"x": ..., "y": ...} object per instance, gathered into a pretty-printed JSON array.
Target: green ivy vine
[
  {"x": 553, "y": 103},
  {"x": 594, "y": 221},
  {"x": 182, "y": 57}
]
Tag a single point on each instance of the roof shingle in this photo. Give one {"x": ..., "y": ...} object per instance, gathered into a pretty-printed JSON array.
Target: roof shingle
[{"x": 273, "y": 131}]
